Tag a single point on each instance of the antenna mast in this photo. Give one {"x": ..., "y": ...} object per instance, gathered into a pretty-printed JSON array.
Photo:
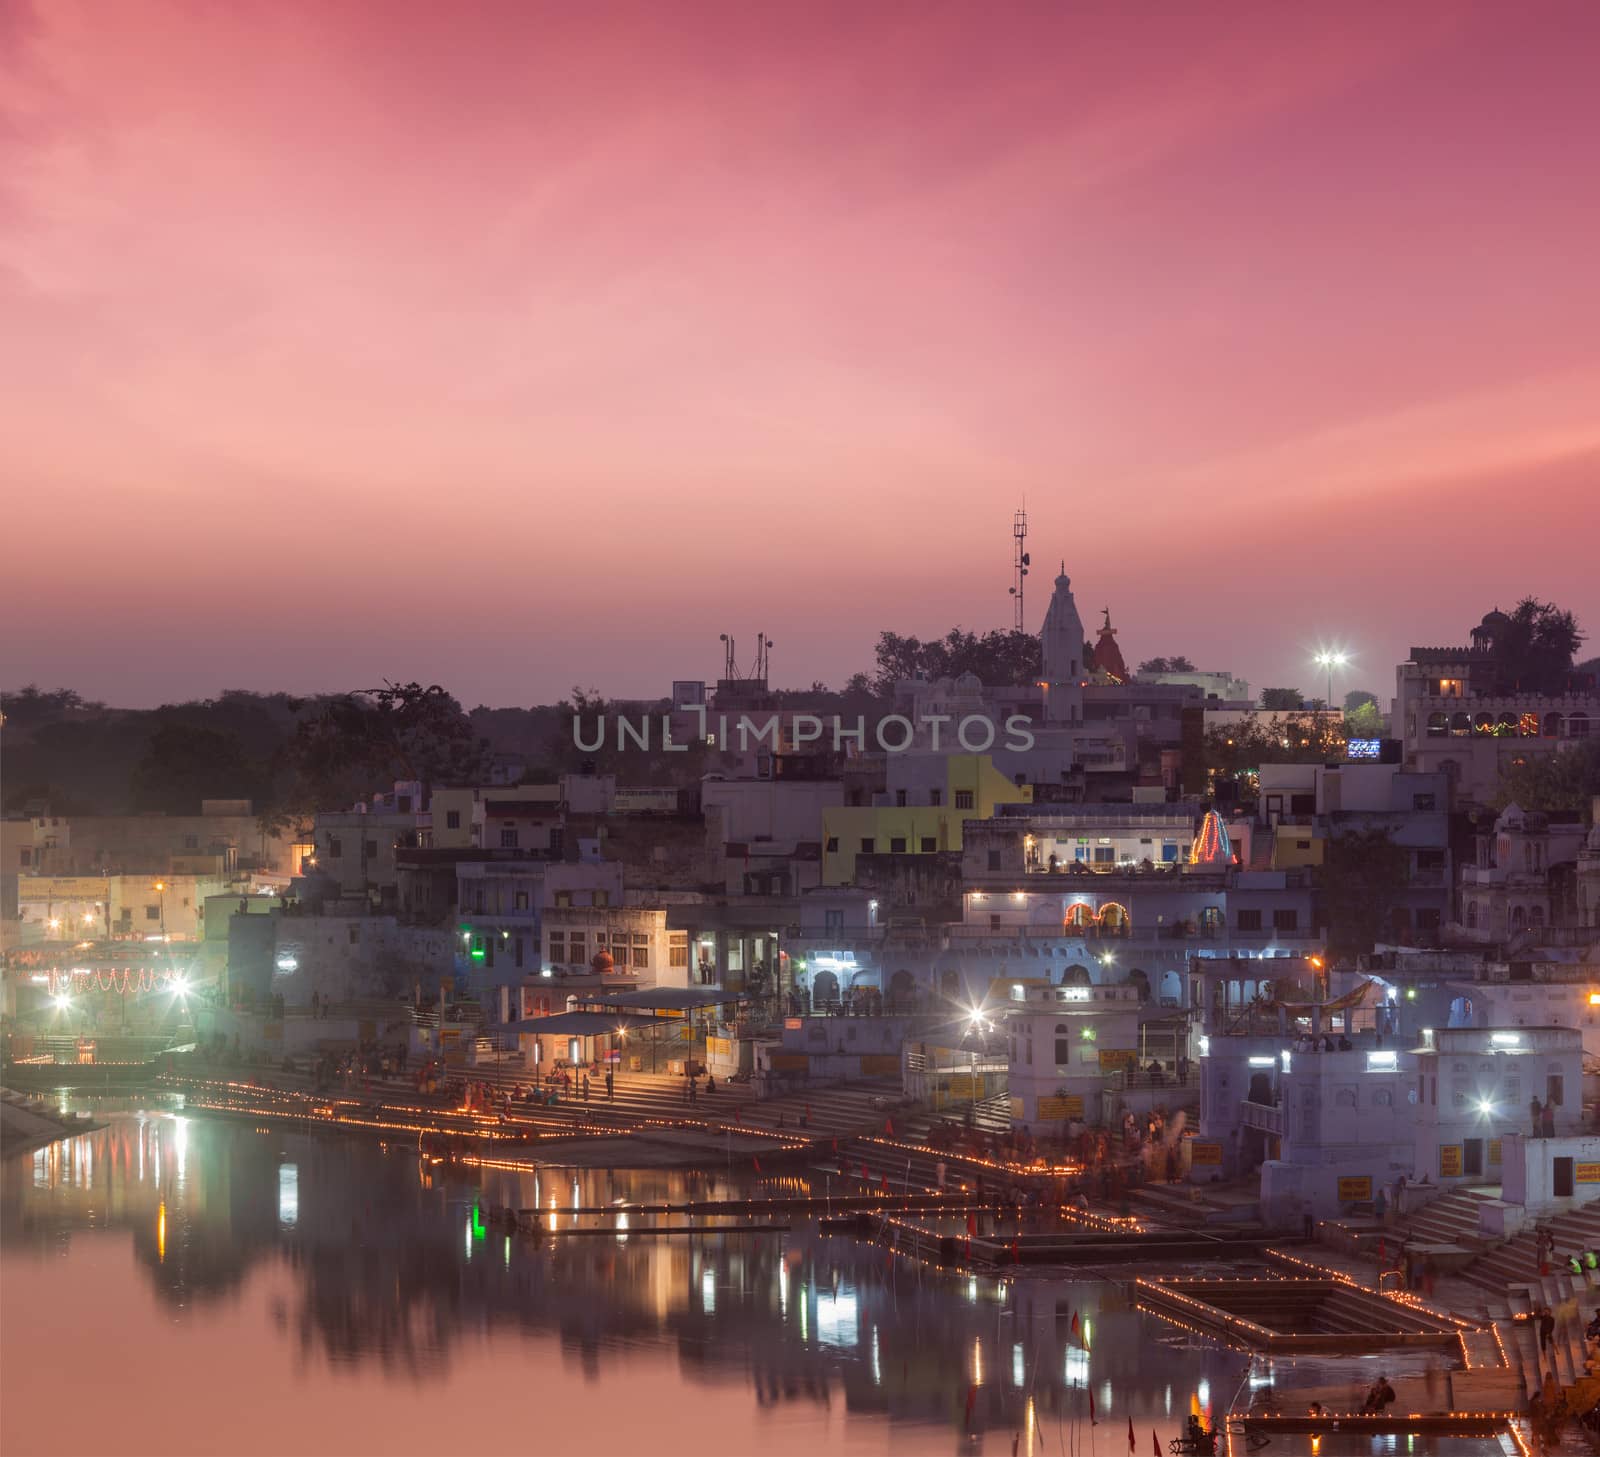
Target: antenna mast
[{"x": 1019, "y": 566}]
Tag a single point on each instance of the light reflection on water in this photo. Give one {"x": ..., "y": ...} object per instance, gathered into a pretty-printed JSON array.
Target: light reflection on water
[{"x": 352, "y": 1301}]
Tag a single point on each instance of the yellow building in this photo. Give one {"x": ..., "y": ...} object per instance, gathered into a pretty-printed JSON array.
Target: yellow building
[
  {"x": 972, "y": 789},
  {"x": 1294, "y": 846}
]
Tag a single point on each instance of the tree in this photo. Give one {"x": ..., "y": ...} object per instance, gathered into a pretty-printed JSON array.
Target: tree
[
  {"x": 355, "y": 744},
  {"x": 1568, "y": 779},
  {"x": 1246, "y": 744},
  {"x": 1177, "y": 664},
  {"x": 1363, "y": 721},
  {"x": 29, "y": 704},
  {"x": 1281, "y": 700},
  {"x": 997, "y": 659},
  {"x": 1534, "y": 652},
  {"x": 1356, "y": 697},
  {"x": 1361, "y": 876},
  {"x": 183, "y": 765}
]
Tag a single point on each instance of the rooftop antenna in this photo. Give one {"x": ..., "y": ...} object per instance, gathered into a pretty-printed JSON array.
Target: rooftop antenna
[
  {"x": 763, "y": 656},
  {"x": 1019, "y": 565},
  {"x": 730, "y": 668}
]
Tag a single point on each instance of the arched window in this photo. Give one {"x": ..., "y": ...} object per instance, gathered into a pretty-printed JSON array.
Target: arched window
[
  {"x": 1506, "y": 724},
  {"x": 1076, "y": 976},
  {"x": 1438, "y": 725},
  {"x": 1113, "y": 919},
  {"x": 1552, "y": 725},
  {"x": 1079, "y": 916},
  {"x": 1460, "y": 723},
  {"x": 1578, "y": 726},
  {"x": 1140, "y": 982},
  {"x": 1482, "y": 723},
  {"x": 1519, "y": 918},
  {"x": 1063, "y": 1044}
]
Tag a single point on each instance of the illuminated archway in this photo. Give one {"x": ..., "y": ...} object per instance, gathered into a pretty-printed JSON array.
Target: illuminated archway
[
  {"x": 1076, "y": 975},
  {"x": 1114, "y": 919},
  {"x": 1079, "y": 916}
]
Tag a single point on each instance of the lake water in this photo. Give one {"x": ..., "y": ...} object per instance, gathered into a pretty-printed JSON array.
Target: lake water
[{"x": 173, "y": 1284}]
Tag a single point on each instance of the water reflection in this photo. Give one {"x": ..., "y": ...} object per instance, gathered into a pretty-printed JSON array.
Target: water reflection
[{"x": 378, "y": 1268}]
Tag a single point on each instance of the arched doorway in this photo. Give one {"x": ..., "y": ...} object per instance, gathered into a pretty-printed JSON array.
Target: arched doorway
[
  {"x": 1461, "y": 1012},
  {"x": 950, "y": 983},
  {"x": 824, "y": 989},
  {"x": 1076, "y": 975},
  {"x": 902, "y": 989},
  {"x": 1140, "y": 982},
  {"x": 1113, "y": 919},
  {"x": 1079, "y": 917},
  {"x": 1211, "y": 921}
]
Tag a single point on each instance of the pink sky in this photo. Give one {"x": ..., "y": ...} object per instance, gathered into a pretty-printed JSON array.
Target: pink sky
[{"x": 521, "y": 345}]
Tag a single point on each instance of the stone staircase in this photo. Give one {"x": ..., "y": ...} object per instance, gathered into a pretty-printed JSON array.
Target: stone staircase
[
  {"x": 1451, "y": 1219},
  {"x": 1513, "y": 1267}
]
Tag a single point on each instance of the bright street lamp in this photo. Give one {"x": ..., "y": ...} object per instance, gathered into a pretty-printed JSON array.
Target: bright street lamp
[{"x": 1330, "y": 658}]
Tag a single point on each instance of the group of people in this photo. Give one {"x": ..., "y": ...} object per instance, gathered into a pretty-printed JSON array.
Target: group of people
[
  {"x": 1325, "y": 1043},
  {"x": 1543, "y": 1117}
]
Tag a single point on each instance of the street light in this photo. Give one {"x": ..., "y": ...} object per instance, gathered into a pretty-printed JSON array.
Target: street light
[{"x": 1329, "y": 659}]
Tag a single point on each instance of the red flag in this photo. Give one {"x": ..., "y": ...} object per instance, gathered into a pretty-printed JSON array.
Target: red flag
[
  {"x": 1074, "y": 1323},
  {"x": 757, "y": 1163},
  {"x": 1094, "y": 1421},
  {"x": 888, "y": 1126},
  {"x": 1155, "y": 1443},
  {"x": 836, "y": 1145},
  {"x": 883, "y": 1184},
  {"x": 1130, "y": 1437},
  {"x": 972, "y": 1223}
]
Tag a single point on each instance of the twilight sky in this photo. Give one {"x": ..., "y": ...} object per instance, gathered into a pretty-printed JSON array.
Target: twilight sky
[{"x": 521, "y": 345}]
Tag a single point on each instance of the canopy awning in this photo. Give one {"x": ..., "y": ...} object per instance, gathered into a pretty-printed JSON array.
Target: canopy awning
[
  {"x": 585, "y": 1024},
  {"x": 668, "y": 999}
]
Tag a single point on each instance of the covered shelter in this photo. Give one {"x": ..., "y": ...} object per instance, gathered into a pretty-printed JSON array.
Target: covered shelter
[{"x": 583, "y": 1040}]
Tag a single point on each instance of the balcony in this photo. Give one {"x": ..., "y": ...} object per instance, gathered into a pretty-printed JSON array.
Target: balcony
[{"x": 1261, "y": 1116}]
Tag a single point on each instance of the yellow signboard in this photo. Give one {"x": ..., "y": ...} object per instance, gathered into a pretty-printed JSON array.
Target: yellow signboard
[
  {"x": 719, "y": 1047},
  {"x": 1354, "y": 1191},
  {"x": 1587, "y": 1173},
  {"x": 62, "y": 887},
  {"x": 1113, "y": 1058},
  {"x": 1494, "y": 1151},
  {"x": 1207, "y": 1155},
  {"x": 1062, "y": 1106},
  {"x": 1450, "y": 1161},
  {"x": 964, "y": 1085}
]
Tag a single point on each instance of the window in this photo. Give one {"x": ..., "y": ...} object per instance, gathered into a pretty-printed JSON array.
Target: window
[
  {"x": 935, "y": 797},
  {"x": 929, "y": 845},
  {"x": 641, "y": 953},
  {"x": 678, "y": 948},
  {"x": 833, "y": 845},
  {"x": 354, "y": 935},
  {"x": 900, "y": 798},
  {"x": 452, "y": 819},
  {"x": 602, "y": 897},
  {"x": 575, "y": 946},
  {"x": 516, "y": 951},
  {"x": 521, "y": 900},
  {"x": 372, "y": 849},
  {"x": 1553, "y": 1089},
  {"x": 1105, "y": 855},
  {"x": 963, "y": 799},
  {"x": 868, "y": 845},
  {"x": 994, "y": 920},
  {"x": 403, "y": 802},
  {"x": 335, "y": 847},
  {"x": 897, "y": 845},
  {"x": 26, "y": 858},
  {"x": 152, "y": 913},
  {"x": 994, "y": 860},
  {"x": 1249, "y": 920},
  {"x": 1063, "y": 1045},
  {"x": 508, "y": 839},
  {"x": 1285, "y": 920},
  {"x": 558, "y": 945},
  {"x": 1430, "y": 859},
  {"x": 1424, "y": 801},
  {"x": 563, "y": 897},
  {"x": 191, "y": 842}
]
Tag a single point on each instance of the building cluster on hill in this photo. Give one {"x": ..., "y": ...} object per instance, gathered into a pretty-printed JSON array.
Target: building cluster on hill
[{"x": 1040, "y": 890}]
